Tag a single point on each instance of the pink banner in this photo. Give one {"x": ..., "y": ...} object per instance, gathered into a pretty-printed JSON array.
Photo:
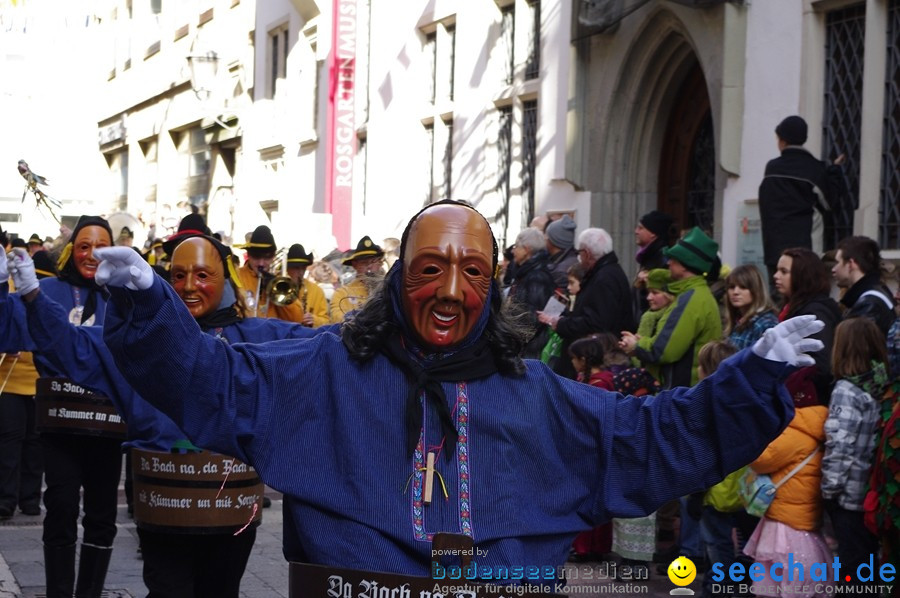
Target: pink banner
[{"x": 341, "y": 128}]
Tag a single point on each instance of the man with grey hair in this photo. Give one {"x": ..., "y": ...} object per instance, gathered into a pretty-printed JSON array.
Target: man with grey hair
[{"x": 604, "y": 302}]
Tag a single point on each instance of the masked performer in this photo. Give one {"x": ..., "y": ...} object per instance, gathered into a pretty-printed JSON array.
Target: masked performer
[
  {"x": 525, "y": 459},
  {"x": 178, "y": 560}
]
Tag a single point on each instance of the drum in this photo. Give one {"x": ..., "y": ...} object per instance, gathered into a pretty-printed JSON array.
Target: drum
[
  {"x": 199, "y": 492},
  {"x": 63, "y": 407}
]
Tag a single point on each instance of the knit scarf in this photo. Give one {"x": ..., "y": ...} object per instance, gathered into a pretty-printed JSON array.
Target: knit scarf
[{"x": 874, "y": 382}]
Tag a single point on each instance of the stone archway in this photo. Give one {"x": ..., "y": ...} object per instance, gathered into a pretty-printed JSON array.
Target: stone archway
[{"x": 658, "y": 123}]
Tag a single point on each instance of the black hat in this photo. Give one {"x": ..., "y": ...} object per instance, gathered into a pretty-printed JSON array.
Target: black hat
[
  {"x": 19, "y": 242},
  {"x": 35, "y": 239},
  {"x": 126, "y": 233},
  {"x": 43, "y": 265},
  {"x": 297, "y": 257},
  {"x": 792, "y": 130},
  {"x": 365, "y": 248},
  {"x": 658, "y": 223},
  {"x": 262, "y": 243},
  {"x": 192, "y": 224}
]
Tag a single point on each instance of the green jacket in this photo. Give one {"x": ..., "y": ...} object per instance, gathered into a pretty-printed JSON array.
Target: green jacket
[{"x": 689, "y": 323}]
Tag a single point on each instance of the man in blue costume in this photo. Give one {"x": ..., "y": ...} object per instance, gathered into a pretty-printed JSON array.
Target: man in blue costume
[{"x": 343, "y": 425}]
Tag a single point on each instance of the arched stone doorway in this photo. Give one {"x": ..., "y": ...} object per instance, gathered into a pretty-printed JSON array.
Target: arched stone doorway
[
  {"x": 655, "y": 132},
  {"x": 687, "y": 177}
]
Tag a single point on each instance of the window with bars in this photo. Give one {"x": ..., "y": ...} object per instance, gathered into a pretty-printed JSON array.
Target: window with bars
[
  {"x": 431, "y": 62},
  {"x": 533, "y": 62},
  {"x": 507, "y": 41},
  {"x": 889, "y": 225},
  {"x": 845, "y": 32},
  {"x": 504, "y": 167},
  {"x": 277, "y": 57},
  {"x": 529, "y": 152},
  {"x": 429, "y": 166},
  {"x": 451, "y": 43},
  {"x": 448, "y": 160}
]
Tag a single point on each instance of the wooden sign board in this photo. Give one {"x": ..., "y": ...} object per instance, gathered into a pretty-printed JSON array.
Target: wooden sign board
[{"x": 64, "y": 407}]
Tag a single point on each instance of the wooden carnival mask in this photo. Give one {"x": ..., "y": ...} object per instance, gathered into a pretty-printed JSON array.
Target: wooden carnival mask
[
  {"x": 198, "y": 276},
  {"x": 447, "y": 274}
]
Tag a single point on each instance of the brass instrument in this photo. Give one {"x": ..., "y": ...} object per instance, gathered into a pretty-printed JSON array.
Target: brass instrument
[{"x": 281, "y": 290}]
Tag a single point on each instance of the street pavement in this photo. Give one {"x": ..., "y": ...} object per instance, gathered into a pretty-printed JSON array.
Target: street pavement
[{"x": 22, "y": 563}]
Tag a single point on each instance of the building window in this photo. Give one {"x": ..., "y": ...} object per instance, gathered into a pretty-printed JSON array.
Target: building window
[
  {"x": 448, "y": 161},
  {"x": 150, "y": 148},
  {"x": 507, "y": 41},
  {"x": 533, "y": 62},
  {"x": 119, "y": 168},
  {"x": 889, "y": 234},
  {"x": 845, "y": 32},
  {"x": 451, "y": 43},
  {"x": 278, "y": 55},
  {"x": 529, "y": 153},
  {"x": 155, "y": 6},
  {"x": 360, "y": 173},
  {"x": 198, "y": 170},
  {"x": 504, "y": 167},
  {"x": 429, "y": 167},
  {"x": 430, "y": 52}
]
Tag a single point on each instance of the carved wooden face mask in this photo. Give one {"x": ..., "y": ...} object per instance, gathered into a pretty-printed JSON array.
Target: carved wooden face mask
[
  {"x": 198, "y": 276},
  {"x": 83, "y": 245},
  {"x": 447, "y": 274}
]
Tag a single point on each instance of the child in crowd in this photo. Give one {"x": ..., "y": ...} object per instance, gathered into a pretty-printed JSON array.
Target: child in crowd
[
  {"x": 633, "y": 539},
  {"x": 790, "y": 531},
  {"x": 748, "y": 311},
  {"x": 859, "y": 363},
  {"x": 587, "y": 357},
  {"x": 718, "y": 505},
  {"x": 574, "y": 274}
]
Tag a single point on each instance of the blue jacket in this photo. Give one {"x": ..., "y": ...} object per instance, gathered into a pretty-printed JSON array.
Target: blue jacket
[{"x": 539, "y": 458}]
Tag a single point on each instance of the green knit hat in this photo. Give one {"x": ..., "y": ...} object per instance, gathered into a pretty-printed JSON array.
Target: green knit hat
[
  {"x": 696, "y": 251},
  {"x": 659, "y": 279}
]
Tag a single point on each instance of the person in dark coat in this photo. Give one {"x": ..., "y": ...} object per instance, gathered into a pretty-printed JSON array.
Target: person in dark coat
[
  {"x": 858, "y": 270},
  {"x": 795, "y": 184},
  {"x": 560, "y": 241},
  {"x": 802, "y": 279},
  {"x": 532, "y": 286},
  {"x": 652, "y": 235},
  {"x": 604, "y": 302}
]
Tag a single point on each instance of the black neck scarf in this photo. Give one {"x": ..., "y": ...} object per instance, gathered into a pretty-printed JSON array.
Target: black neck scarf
[
  {"x": 473, "y": 359},
  {"x": 220, "y": 318}
]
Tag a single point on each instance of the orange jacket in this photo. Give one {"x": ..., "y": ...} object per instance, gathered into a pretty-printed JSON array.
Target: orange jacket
[{"x": 798, "y": 503}]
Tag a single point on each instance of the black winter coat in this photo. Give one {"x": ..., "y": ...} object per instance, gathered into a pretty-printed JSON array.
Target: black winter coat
[
  {"x": 531, "y": 288},
  {"x": 795, "y": 183},
  {"x": 602, "y": 305},
  {"x": 825, "y": 309},
  {"x": 878, "y": 305}
]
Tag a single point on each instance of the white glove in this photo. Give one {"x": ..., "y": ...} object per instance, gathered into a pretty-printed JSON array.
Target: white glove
[
  {"x": 123, "y": 267},
  {"x": 22, "y": 269},
  {"x": 787, "y": 341},
  {"x": 4, "y": 267}
]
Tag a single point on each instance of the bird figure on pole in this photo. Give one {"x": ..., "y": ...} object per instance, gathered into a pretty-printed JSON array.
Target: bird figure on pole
[{"x": 32, "y": 180}]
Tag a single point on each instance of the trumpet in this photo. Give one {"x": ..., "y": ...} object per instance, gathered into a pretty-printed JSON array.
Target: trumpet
[{"x": 281, "y": 290}]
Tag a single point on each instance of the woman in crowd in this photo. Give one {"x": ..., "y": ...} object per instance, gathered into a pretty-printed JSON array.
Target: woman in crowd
[
  {"x": 805, "y": 283},
  {"x": 532, "y": 285},
  {"x": 75, "y": 461},
  {"x": 748, "y": 310}
]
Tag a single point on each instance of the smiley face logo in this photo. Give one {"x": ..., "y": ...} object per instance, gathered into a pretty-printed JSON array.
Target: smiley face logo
[{"x": 682, "y": 571}]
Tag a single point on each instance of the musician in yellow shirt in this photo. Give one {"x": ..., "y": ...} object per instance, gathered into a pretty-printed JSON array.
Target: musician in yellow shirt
[
  {"x": 254, "y": 276},
  {"x": 368, "y": 261},
  {"x": 311, "y": 297}
]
